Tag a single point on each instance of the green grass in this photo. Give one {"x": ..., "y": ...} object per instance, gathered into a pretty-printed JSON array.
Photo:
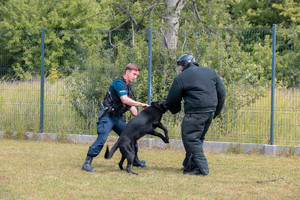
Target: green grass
[
  {"x": 20, "y": 111},
  {"x": 44, "y": 170}
]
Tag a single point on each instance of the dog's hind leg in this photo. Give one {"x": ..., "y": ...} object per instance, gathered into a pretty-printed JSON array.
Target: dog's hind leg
[
  {"x": 129, "y": 164},
  {"x": 121, "y": 162}
]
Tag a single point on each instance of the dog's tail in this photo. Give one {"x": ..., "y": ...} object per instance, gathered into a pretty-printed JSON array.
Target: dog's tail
[
  {"x": 106, "y": 153},
  {"x": 109, "y": 154}
]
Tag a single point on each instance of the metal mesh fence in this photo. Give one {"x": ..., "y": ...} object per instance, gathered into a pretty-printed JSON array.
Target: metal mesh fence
[
  {"x": 19, "y": 100},
  {"x": 80, "y": 65},
  {"x": 287, "y": 104}
]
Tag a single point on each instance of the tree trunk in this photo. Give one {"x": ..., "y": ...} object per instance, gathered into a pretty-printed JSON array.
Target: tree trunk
[{"x": 173, "y": 8}]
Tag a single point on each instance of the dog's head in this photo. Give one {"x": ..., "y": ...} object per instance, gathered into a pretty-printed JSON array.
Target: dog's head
[{"x": 162, "y": 105}]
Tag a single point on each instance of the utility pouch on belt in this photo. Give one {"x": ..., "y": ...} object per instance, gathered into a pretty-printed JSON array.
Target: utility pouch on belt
[{"x": 102, "y": 111}]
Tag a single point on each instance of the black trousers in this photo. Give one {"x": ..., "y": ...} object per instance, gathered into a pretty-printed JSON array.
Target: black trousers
[{"x": 193, "y": 130}]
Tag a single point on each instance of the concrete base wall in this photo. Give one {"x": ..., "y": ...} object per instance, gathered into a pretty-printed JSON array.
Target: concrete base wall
[{"x": 265, "y": 149}]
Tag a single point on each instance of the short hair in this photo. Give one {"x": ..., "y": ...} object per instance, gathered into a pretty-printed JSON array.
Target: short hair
[{"x": 132, "y": 66}]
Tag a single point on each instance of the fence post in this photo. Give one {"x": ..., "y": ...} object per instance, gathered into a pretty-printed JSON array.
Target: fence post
[
  {"x": 150, "y": 65},
  {"x": 273, "y": 84},
  {"x": 42, "y": 80}
]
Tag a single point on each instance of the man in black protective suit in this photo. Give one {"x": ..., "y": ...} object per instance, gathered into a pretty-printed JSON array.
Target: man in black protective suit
[{"x": 204, "y": 95}]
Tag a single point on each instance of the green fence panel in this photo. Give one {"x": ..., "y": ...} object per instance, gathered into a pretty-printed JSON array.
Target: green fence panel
[{"x": 80, "y": 65}]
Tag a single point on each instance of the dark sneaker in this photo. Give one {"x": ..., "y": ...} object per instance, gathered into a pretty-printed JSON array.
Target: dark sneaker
[
  {"x": 138, "y": 163},
  {"x": 143, "y": 161}
]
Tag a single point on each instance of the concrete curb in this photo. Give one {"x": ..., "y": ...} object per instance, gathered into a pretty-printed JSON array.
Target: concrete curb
[{"x": 218, "y": 147}]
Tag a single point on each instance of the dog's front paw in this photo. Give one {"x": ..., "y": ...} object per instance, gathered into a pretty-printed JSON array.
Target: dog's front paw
[{"x": 166, "y": 140}]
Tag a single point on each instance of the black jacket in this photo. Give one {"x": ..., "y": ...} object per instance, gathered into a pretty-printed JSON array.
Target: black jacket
[{"x": 200, "y": 87}]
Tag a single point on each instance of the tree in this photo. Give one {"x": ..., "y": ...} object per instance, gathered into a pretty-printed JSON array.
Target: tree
[
  {"x": 205, "y": 28},
  {"x": 21, "y": 22},
  {"x": 173, "y": 9},
  {"x": 267, "y": 12}
]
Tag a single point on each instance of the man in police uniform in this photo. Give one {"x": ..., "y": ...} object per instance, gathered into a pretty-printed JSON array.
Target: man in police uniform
[
  {"x": 117, "y": 101},
  {"x": 204, "y": 95}
]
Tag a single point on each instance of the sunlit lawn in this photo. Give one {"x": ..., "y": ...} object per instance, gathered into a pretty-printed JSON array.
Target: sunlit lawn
[{"x": 45, "y": 170}]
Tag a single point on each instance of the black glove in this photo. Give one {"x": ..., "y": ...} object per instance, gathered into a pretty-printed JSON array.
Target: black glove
[{"x": 175, "y": 109}]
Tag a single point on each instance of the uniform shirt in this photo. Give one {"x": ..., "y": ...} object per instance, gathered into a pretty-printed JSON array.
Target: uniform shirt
[
  {"x": 200, "y": 87},
  {"x": 119, "y": 87},
  {"x": 112, "y": 99}
]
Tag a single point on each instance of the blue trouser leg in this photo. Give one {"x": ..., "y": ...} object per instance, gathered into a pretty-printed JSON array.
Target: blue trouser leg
[
  {"x": 119, "y": 127},
  {"x": 104, "y": 126},
  {"x": 194, "y": 129}
]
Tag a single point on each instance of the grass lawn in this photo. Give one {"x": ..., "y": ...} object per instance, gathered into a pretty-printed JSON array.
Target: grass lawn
[{"x": 47, "y": 170}]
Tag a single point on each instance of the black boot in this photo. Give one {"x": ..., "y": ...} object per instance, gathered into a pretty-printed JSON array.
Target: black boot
[
  {"x": 87, "y": 165},
  {"x": 138, "y": 163},
  {"x": 188, "y": 164},
  {"x": 195, "y": 171}
]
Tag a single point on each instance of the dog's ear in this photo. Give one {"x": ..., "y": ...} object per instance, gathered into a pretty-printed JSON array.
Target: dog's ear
[
  {"x": 164, "y": 105},
  {"x": 154, "y": 103}
]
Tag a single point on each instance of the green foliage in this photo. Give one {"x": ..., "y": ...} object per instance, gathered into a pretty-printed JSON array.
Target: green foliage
[
  {"x": 213, "y": 14},
  {"x": 287, "y": 56},
  {"x": 85, "y": 91},
  {"x": 87, "y": 86},
  {"x": 23, "y": 47},
  {"x": 52, "y": 76},
  {"x": 242, "y": 58},
  {"x": 140, "y": 15},
  {"x": 267, "y": 12},
  {"x": 54, "y": 15},
  {"x": 91, "y": 59}
]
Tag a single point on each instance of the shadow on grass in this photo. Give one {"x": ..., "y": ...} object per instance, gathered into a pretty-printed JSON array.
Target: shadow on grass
[{"x": 111, "y": 167}]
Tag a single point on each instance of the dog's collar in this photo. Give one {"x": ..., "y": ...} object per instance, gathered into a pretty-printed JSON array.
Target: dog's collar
[{"x": 159, "y": 109}]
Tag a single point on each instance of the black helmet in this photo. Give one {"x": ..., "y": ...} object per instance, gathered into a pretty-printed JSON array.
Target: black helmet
[{"x": 185, "y": 59}]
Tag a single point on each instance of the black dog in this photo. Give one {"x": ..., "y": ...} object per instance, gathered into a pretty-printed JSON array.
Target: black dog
[{"x": 144, "y": 123}]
